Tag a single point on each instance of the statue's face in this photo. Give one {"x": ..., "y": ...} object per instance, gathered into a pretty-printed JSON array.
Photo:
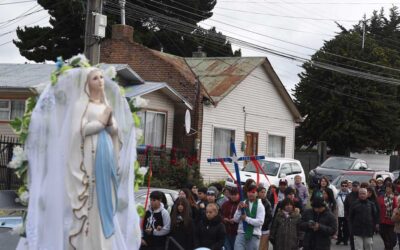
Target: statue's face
[{"x": 96, "y": 81}]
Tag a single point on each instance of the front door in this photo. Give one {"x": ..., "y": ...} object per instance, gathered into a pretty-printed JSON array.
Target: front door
[{"x": 251, "y": 143}]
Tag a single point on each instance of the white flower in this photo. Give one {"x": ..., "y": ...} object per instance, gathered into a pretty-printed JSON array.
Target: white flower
[
  {"x": 82, "y": 58},
  {"x": 18, "y": 158},
  {"x": 143, "y": 170},
  {"x": 19, "y": 229},
  {"x": 140, "y": 102},
  {"x": 139, "y": 132},
  {"x": 24, "y": 197},
  {"x": 111, "y": 72}
]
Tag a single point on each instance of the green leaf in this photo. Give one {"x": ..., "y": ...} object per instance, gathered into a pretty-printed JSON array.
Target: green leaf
[
  {"x": 141, "y": 211},
  {"x": 65, "y": 68},
  {"x": 30, "y": 104},
  {"x": 75, "y": 62},
  {"x": 53, "y": 78},
  {"x": 16, "y": 125},
  {"x": 136, "y": 120}
]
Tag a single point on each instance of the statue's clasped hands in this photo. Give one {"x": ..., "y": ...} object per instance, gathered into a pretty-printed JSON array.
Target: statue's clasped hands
[{"x": 106, "y": 117}]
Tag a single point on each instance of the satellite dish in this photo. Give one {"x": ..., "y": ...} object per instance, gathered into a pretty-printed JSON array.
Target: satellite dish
[{"x": 187, "y": 121}]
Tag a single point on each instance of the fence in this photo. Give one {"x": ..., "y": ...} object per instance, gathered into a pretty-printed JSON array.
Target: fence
[{"x": 8, "y": 180}]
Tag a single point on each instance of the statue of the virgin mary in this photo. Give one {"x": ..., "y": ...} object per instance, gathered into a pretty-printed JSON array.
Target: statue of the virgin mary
[{"x": 81, "y": 149}]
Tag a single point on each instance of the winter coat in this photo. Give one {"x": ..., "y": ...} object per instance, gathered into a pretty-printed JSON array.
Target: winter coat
[
  {"x": 302, "y": 193},
  {"x": 184, "y": 236},
  {"x": 396, "y": 220},
  {"x": 153, "y": 219},
  {"x": 320, "y": 239},
  {"x": 340, "y": 199},
  {"x": 382, "y": 208},
  {"x": 350, "y": 199},
  {"x": 363, "y": 217},
  {"x": 268, "y": 215},
  {"x": 210, "y": 233},
  {"x": 285, "y": 231},
  {"x": 228, "y": 210}
]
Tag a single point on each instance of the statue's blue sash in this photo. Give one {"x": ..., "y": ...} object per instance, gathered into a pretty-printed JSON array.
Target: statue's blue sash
[{"x": 105, "y": 171}]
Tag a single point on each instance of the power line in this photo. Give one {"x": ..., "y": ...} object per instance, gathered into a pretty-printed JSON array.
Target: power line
[
  {"x": 19, "y": 18},
  {"x": 11, "y": 31},
  {"x": 145, "y": 13},
  {"x": 286, "y": 16},
  {"x": 281, "y": 40},
  {"x": 11, "y": 3},
  {"x": 312, "y": 3}
]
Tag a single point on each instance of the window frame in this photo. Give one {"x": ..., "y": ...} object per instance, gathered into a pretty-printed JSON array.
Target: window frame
[
  {"x": 6, "y": 109},
  {"x": 213, "y": 138},
  {"x": 156, "y": 111},
  {"x": 283, "y": 154}
]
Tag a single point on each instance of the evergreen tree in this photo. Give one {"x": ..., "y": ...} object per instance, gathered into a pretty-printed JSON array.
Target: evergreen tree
[
  {"x": 66, "y": 36},
  {"x": 352, "y": 113}
]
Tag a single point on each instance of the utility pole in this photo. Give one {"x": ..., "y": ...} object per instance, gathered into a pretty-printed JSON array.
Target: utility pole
[
  {"x": 94, "y": 19},
  {"x": 363, "y": 30}
]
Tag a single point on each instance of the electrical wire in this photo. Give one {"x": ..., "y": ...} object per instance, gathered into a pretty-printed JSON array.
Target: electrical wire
[
  {"x": 278, "y": 39},
  {"x": 11, "y": 3},
  {"x": 288, "y": 56}
]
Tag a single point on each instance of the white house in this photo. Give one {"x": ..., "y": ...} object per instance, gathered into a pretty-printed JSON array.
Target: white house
[{"x": 251, "y": 106}]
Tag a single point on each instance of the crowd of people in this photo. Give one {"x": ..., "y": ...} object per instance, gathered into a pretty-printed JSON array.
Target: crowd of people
[{"x": 286, "y": 216}]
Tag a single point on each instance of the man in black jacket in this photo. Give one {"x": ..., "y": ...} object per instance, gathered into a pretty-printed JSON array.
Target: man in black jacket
[
  {"x": 350, "y": 199},
  {"x": 364, "y": 220},
  {"x": 319, "y": 225}
]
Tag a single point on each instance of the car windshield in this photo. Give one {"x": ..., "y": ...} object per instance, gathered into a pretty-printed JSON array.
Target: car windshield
[
  {"x": 359, "y": 177},
  {"x": 269, "y": 167},
  {"x": 338, "y": 163}
]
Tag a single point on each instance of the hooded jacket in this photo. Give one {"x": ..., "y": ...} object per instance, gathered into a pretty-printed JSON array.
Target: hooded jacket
[
  {"x": 155, "y": 219},
  {"x": 210, "y": 233}
]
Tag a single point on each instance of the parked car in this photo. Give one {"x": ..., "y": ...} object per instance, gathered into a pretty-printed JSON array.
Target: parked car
[
  {"x": 334, "y": 166},
  {"x": 275, "y": 169},
  {"x": 171, "y": 195},
  {"x": 360, "y": 176},
  {"x": 396, "y": 174}
]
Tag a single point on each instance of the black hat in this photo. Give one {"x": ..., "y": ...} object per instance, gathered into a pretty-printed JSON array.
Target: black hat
[
  {"x": 318, "y": 202},
  {"x": 289, "y": 191},
  {"x": 283, "y": 182}
]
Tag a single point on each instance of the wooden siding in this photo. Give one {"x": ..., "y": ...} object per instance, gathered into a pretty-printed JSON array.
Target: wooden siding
[
  {"x": 160, "y": 102},
  {"x": 266, "y": 114},
  {"x": 6, "y": 130}
]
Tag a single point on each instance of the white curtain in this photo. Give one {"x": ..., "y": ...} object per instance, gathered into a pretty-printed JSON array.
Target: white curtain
[
  {"x": 276, "y": 146},
  {"x": 154, "y": 129},
  {"x": 222, "y": 140}
]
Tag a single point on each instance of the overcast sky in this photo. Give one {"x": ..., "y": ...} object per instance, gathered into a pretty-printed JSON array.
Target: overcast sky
[{"x": 275, "y": 21}]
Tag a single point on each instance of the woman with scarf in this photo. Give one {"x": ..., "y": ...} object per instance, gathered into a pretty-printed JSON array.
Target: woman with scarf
[{"x": 387, "y": 205}]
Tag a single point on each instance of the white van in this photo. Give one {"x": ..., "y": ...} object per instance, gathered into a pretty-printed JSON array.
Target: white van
[{"x": 275, "y": 168}]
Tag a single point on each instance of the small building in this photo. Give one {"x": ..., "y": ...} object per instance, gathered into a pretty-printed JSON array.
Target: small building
[{"x": 239, "y": 98}]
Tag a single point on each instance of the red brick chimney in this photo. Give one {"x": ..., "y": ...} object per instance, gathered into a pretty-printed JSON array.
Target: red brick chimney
[{"x": 122, "y": 32}]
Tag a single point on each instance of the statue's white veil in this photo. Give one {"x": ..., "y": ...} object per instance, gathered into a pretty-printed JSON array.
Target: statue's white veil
[{"x": 50, "y": 147}]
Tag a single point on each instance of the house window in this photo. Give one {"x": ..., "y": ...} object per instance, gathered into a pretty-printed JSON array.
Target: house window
[
  {"x": 222, "y": 142},
  {"x": 11, "y": 109},
  {"x": 276, "y": 146},
  {"x": 153, "y": 125}
]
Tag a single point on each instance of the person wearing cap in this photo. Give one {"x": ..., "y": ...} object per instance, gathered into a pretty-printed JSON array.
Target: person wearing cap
[
  {"x": 283, "y": 184},
  {"x": 248, "y": 236},
  {"x": 212, "y": 194},
  {"x": 387, "y": 204},
  {"x": 319, "y": 225},
  {"x": 350, "y": 199},
  {"x": 380, "y": 188},
  {"x": 363, "y": 221}
]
